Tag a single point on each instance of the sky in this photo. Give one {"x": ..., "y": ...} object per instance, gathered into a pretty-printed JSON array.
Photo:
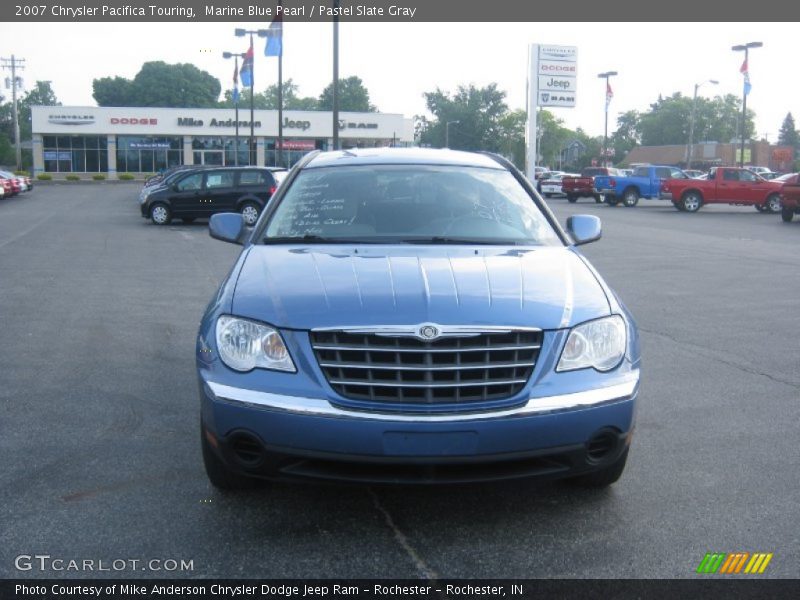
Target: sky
[{"x": 399, "y": 62}]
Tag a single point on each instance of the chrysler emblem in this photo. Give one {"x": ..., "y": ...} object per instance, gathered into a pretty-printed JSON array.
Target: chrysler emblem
[{"x": 428, "y": 332}]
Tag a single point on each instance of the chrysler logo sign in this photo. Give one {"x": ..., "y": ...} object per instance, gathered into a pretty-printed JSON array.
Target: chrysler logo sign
[
  {"x": 71, "y": 119},
  {"x": 427, "y": 332}
]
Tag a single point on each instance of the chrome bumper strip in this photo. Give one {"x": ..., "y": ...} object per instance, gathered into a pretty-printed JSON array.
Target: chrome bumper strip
[{"x": 323, "y": 408}]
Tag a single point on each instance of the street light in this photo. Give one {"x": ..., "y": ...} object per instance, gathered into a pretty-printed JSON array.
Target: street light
[
  {"x": 236, "y": 56},
  {"x": 262, "y": 33},
  {"x": 447, "y": 132},
  {"x": 745, "y": 48},
  {"x": 606, "y": 76},
  {"x": 691, "y": 122}
]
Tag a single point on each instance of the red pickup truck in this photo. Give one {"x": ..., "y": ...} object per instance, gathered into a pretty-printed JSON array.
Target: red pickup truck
[
  {"x": 575, "y": 187},
  {"x": 725, "y": 185},
  {"x": 790, "y": 198}
]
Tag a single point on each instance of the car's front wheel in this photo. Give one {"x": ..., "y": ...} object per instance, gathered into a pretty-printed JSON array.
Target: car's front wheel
[
  {"x": 787, "y": 214},
  {"x": 160, "y": 214},
  {"x": 218, "y": 473},
  {"x": 605, "y": 476},
  {"x": 250, "y": 212}
]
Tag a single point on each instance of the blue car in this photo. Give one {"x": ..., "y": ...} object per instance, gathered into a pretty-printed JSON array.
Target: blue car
[{"x": 413, "y": 316}]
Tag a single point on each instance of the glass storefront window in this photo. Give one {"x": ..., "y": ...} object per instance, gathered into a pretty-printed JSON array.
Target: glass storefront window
[
  {"x": 148, "y": 154},
  {"x": 75, "y": 153}
]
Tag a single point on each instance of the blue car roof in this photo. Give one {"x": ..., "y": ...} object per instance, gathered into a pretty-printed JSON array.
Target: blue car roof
[{"x": 402, "y": 156}]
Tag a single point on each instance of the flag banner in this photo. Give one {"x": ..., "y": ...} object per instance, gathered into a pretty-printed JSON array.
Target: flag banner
[
  {"x": 609, "y": 94},
  {"x": 235, "y": 84},
  {"x": 747, "y": 86},
  {"x": 246, "y": 72},
  {"x": 743, "y": 68},
  {"x": 274, "y": 45}
]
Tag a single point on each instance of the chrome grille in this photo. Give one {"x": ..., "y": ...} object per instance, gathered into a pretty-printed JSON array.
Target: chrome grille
[{"x": 457, "y": 369}]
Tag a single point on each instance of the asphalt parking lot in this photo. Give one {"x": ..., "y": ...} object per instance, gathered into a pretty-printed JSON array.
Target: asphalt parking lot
[{"x": 99, "y": 425}]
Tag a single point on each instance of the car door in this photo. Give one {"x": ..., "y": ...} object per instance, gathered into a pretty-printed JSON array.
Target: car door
[
  {"x": 259, "y": 183},
  {"x": 728, "y": 186},
  {"x": 218, "y": 192},
  {"x": 186, "y": 197},
  {"x": 753, "y": 188}
]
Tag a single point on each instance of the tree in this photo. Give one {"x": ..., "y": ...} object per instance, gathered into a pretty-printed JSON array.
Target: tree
[
  {"x": 627, "y": 135},
  {"x": 41, "y": 94},
  {"x": 789, "y": 136},
  {"x": 160, "y": 84},
  {"x": 268, "y": 99},
  {"x": 478, "y": 111},
  {"x": 512, "y": 136},
  {"x": 353, "y": 96}
]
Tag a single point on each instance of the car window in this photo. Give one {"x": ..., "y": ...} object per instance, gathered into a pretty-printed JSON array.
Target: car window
[
  {"x": 747, "y": 176},
  {"x": 677, "y": 174},
  {"x": 219, "y": 179},
  {"x": 258, "y": 178},
  {"x": 410, "y": 203},
  {"x": 641, "y": 172},
  {"x": 728, "y": 175},
  {"x": 192, "y": 182}
]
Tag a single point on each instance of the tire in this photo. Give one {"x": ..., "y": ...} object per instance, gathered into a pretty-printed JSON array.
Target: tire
[
  {"x": 187, "y": 220},
  {"x": 572, "y": 198},
  {"x": 773, "y": 204},
  {"x": 678, "y": 205},
  {"x": 692, "y": 201},
  {"x": 605, "y": 476},
  {"x": 787, "y": 214},
  {"x": 612, "y": 200},
  {"x": 220, "y": 476},
  {"x": 160, "y": 214},
  {"x": 630, "y": 197},
  {"x": 598, "y": 198},
  {"x": 250, "y": 212}
]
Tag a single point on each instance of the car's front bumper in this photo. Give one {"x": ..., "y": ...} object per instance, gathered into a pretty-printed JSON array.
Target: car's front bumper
[{"x": 276, "y": 436}]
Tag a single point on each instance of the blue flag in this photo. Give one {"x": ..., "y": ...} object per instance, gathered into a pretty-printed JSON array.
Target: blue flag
[
  {"x": 246, "y": 72},
  {"x": 747, "y": 86},
  {"x": 274, "y": 45}
]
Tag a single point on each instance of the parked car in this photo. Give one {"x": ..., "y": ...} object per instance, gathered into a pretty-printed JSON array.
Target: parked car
[
  {"x": 414, "y": 316},
  {"x": 201, "y": 193},
  {"x": 8, "y": 189},
  {"x": 19, "y": 183},
  {"x": 694, "y": 173},
  {"x": 550, "y": 184},
  {"x": 725, "y": 185},
  {"x": 644, "y": 183},
  {"x": 790, "y": 196},
  {"x": 583, "y": 185}
]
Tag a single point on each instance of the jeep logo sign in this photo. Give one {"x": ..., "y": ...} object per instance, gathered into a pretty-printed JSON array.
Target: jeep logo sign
[
  {"x": 303, "y": 125},
  {"x": 556, "y": 84}
]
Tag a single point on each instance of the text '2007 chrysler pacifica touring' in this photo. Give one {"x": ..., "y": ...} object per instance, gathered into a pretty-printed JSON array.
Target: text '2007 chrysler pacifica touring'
[{"x": 413, "y": 316}]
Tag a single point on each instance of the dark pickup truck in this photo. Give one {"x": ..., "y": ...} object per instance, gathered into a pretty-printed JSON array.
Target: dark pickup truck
[{"x": 576, "y": 187}]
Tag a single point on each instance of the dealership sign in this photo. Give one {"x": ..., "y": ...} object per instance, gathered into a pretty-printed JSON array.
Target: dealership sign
[
  {"x": 556, "y": 83},
  {"x": 71, "y": 119}
]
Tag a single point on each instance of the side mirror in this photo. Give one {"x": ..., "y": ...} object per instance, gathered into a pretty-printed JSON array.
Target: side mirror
[
  {"x": 584, "y": 228},
  {"x": 228, "y": 227}
]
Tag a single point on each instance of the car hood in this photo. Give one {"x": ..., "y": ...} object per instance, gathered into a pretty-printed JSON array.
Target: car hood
[{"x": 325, "y": 286}]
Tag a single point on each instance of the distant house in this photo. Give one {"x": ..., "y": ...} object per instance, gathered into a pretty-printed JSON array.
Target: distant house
[
  {"x": 572, "y": 152},
  {"x": 708, "y": 154}
]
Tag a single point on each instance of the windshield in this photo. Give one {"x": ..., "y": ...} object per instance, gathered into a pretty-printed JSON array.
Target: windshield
[{"x": 408, "y": 204}]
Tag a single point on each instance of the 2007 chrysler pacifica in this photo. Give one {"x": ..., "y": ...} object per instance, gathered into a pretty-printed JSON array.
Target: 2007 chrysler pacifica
[{"x": 413, "y": 316}]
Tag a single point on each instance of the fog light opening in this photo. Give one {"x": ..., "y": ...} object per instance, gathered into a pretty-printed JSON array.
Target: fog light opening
[
  {"x": 601, "y": 445},
  {"x": 247, "y": 449}
]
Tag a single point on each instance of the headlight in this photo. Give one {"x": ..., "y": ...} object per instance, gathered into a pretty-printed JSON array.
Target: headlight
[
  {"x": 244, "y": 345},
  {"x": 599, "y": 344}
]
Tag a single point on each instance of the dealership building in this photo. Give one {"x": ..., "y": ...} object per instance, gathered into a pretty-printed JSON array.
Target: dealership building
[{"x": 110, "y": 140}]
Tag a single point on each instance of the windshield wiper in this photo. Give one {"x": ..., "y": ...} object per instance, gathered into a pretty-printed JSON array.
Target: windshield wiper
[
  {"x": 456, "y": 240},
  {"x": 313, "y": 239}
]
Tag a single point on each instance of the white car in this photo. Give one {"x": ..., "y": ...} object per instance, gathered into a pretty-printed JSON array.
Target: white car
[{"x": 552, "y": 185}]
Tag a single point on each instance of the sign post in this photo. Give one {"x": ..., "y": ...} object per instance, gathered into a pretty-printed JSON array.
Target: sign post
[{"x": 552, "y": 81}]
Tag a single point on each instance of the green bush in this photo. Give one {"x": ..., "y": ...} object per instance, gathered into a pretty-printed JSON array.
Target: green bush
[
  {"x": 72, "y": 178},
  {"x": 44, "y": 177},
  {"x": 126, "y": 176},
  {"x": 22, "y": 173},
  {"x": 99, "y": 177}
]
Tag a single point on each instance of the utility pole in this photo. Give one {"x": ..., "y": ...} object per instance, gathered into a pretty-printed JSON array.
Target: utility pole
[
  {"x": 745, "y": 70},
  {"x": 13, "y": 64},
  {"x": 335, "y": 89},
  {"x": 607, "y": 75}
]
